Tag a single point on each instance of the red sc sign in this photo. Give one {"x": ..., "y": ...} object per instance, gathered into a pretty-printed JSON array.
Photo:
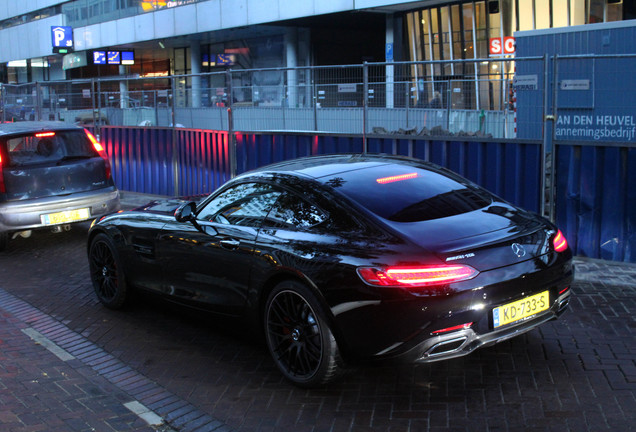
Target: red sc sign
[{"x": 497, "y": 49}]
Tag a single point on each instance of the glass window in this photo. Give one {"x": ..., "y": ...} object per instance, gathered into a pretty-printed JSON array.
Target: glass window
[
  {"x": 469, "y": 47},
  {"x": 494, "y": 22},
  {"x": 245, "y": 204},
  {"x": 614, "y": 11},
  {"x": 436, "y": 40},
  {"x": 542, "y": 14},
  {"x": 447, "y": 48},
  {"x": 410, "y": 193},
  {"x": 291, "y": 211},
  {"x": 559, "y": 13},
  {"x": 577, "y": 12},
  {"x": 480, "y": 24},
  {"x": 596, "y": 11},
  {"x": 47, "y": 147}
]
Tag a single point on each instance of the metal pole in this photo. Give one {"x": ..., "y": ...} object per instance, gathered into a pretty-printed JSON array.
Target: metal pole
[
  {"x": 546, "y": 188},
  {"x": 2, "y": 104},
  {"x": 449, "y": 95},
  {"x": 315, "y": 98},
  {"x": 156, "y": 108},
  {"x": 230, "y": 126},
  {"x": 38, "y": 101},
  {"x": 99, "y": 102},
  {"x": 175, "y": 147},
  {"x": 552, "y": 144},
  {"x": 365, "y": 96}
]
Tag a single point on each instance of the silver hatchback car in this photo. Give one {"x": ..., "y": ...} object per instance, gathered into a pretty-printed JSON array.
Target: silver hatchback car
[{"x": 52, "y": 174}]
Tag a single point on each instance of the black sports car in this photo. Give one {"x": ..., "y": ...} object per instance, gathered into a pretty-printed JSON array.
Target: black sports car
[{"x": 344, "y": 257}]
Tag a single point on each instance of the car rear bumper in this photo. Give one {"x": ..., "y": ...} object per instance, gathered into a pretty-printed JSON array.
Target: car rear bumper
[
  {"x": 462, "y": 342},
  {"x": 27, "y": 214}
]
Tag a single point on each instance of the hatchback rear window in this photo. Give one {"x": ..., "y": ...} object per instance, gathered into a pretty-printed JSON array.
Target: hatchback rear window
[
  {"x": 410, "y": 193},
  {"x": 48, "y": 147}
]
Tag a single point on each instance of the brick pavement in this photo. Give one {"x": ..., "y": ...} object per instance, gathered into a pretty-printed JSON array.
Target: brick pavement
[{"x": 574, "y": 374}]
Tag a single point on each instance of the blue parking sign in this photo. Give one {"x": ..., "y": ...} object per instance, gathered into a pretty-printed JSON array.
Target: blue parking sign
[
  {"x": 389, "y": 52},
  {"x": 62, "y": 38}
]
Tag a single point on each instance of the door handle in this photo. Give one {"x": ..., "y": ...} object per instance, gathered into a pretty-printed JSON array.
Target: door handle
[{"x": 230, "y": 244}]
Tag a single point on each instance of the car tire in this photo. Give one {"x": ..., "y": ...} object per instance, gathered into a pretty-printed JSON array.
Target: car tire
[
  {"x": 107, "y": 274},
  {"x": 298, "y": 336},
  {"x": 4, "y": 240}
]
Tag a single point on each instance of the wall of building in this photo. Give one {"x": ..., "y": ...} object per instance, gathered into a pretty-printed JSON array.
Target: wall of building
[{"x": 12, "y": 8}]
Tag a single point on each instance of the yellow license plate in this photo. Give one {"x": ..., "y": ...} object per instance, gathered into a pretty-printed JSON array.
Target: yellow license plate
[
  {"x": 521, "y": 309},
  {"x": 66, "y": 216}
]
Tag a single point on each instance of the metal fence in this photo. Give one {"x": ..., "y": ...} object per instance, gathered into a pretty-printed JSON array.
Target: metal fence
[
  {"x": 593, "y": 132},
  {"x": 370, "y": 98},
  {"x": 558, "y": 137}
]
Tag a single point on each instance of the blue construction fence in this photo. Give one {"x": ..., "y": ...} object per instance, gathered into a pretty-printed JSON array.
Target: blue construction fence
[
  {"x": 595, "y": 195},
  {"x": 596, "y": 199}
]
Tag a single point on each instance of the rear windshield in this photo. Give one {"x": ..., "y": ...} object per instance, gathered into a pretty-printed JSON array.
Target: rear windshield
[
  {"x": 48, "y": 147},
  {"x": 410, "y": 193}
]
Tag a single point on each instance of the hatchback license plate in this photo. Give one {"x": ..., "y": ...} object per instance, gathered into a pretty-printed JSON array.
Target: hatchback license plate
[
  {"x": 66, "y": 216},
  {"x": 520, "y": 309}
]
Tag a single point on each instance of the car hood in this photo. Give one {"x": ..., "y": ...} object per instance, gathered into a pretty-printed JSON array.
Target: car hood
[{"x": 482, "y": 238}]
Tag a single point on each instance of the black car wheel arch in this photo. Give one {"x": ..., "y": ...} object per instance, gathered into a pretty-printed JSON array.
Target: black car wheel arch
[
  {"x": 107, "y": 275},
  {"x": 299, "y": 337}
]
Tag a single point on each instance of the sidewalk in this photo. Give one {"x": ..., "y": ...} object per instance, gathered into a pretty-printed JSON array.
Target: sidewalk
[
  {"x": 44, "y": 388},
  {"x": 53, "y": 379}
]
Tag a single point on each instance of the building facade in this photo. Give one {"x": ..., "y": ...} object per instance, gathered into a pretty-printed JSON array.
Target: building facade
[{"x": 181, "y": 37}]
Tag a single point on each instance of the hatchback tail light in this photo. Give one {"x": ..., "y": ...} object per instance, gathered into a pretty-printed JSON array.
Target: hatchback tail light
[
  {"x": 559, "y": 242},
  {"x": 2, "y": 187},
  {"x": 416, "y": 276},
  {"x": 100, "y": 150}
]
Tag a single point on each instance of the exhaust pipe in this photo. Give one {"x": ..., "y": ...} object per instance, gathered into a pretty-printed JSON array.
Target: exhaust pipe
[
  {"x": 445, "y": 346},
  {"x": 60, "y": 228}
]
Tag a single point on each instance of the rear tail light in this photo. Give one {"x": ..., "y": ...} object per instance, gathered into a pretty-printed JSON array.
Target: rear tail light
[
  {"x": 100, "y": 150},
  {"x": 559, "y": 242},
  {"x": 416, "y": 276},
  {"x": 2, "y": 187}
]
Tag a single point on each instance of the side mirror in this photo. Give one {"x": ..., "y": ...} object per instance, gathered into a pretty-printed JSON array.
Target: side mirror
[{"x": 185, "y": 212}]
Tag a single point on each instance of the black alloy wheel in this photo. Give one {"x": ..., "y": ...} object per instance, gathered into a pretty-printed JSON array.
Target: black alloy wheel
[
  {"x": 107, "y": 275},
  {"x": 298, "y": 336}
]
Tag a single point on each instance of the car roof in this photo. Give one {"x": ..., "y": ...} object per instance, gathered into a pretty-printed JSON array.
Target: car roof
[
  {"x": 329, "y": 165},
  {"x": 34, "y": 126}
]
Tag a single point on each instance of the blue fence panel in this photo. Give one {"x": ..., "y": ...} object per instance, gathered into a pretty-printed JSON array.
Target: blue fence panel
[
  {"x": 203, "y": 162},
  {"x": 259, "y": 149},
  {"x": 510, "y": 170},
  {"x": 140, "y": 158},
  {"x": 596, "y": 200}
]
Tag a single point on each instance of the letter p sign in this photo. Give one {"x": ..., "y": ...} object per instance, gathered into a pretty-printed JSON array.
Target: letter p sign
[{"x": 62, "y": 38}]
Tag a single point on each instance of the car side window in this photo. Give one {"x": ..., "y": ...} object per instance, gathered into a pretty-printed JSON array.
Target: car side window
[
  {"x": 245, "y": 204},
  {"x": 291, "y": 211}
]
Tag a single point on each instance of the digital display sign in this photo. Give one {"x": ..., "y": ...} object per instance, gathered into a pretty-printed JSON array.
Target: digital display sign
[
  {"x": 225, "y": 59},
  {"x": 127, "y": 58},
  {"x": 99, "y": 57},
  {"x": 114, "y": 57}
]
